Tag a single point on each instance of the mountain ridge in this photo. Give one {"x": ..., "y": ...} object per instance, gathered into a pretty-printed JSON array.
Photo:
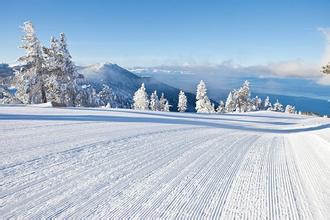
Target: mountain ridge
[{"x": 124, "y": 83}]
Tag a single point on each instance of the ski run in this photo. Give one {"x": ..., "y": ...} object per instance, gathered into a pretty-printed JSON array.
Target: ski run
[{"x": 118, "y": 164}]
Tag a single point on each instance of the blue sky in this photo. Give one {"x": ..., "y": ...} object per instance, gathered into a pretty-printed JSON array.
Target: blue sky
[{"x": 150, "y": 33}]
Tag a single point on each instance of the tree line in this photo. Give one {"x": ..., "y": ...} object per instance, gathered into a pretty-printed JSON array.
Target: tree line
[{"x": 238, "y": 100}]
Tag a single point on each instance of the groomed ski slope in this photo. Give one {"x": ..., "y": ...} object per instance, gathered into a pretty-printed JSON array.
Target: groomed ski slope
[{"x": 98, "y": 163}]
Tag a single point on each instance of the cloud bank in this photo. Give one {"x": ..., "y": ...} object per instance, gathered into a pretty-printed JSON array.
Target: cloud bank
[{"x": 298, "y": 68}]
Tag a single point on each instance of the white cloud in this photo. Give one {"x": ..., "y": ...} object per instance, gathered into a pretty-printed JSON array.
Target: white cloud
[{"x": 295, "y": 68}]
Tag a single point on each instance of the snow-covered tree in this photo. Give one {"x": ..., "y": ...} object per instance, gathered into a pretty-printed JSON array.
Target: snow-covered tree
[
  {"x": 6, "y": 97},
  {"x": 166, "y": 106},
  {"x": 86, "y": 96},
  {"x": 212, "y": 110},
  {"x": 154, "y": 102},
  {"x": 221, "y": 108},
  {"x": 64, "y": 84},
  {"x": 29, "y": 80},
  {"x": 278, "y": 107},
  {"x": 267, "y": 104},
  {"x": 230, "y": 103},
  {"x": 256, "y": 104},
  {"x": 108, "y": 105},
  {"x": 54, "y": 78},
  {"x": 290, "y": 109},
  {"x": 242, "y": 97},
  {"x": 162, "y": 101},
  {"x": 182, "y": 104},
  {"x": 75, "y": 83},
  {"x": 163, "y": 104},
  {"x": 48, "y": 74},
  {"x": 106, "y": 96},
  {"x": 203, "y": 104},
  {"x": 140, "y": 99}
]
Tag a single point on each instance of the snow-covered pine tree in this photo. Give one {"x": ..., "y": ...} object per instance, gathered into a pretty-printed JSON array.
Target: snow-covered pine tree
[
  {"x": 182, "y": 104},
  {"x": 290, "y": 109},
  {"x": 230, "y": 103},
  {"x": 74, "y": 83},
  {"x": 221, "y": 108},
  {"x": 278, "y": 107},
  {"x": 54, "y": 78},
  {"x": 203, "y": 104},
  {"x": 108, "y": 105},
  {"x": 64, "y": 83},
  {"x": 154, "y": 102},
  {"x": 6, "y": 97},
  {"x": 162, "y": 103},
  {"x": 242, "y": 97},
  {"x": 212, "y": 110},
  {"x": 29, "y": 80},
  {"x": 256, "y": 104},
  {"x": 86, "y": 95},
  {"x": 267, "y": 104},
  {"x": 140, "y": 99},
  {"x": 166, "y": 106},
  {"x": 106, "y": 96}
]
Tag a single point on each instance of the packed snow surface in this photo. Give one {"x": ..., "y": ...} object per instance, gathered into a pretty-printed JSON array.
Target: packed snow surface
[{"x": 112, "y": 163}]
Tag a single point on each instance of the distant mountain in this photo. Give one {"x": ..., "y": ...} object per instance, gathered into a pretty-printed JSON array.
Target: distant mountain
[
  {"x": 124, "y": 83},
  {"x": 5, "y": 70}
]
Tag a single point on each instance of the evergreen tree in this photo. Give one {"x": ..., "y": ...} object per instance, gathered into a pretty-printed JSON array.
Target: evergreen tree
[
  {"x": 166, "y": 106},
  {"x": 154, "y": 102},
  {"x": 203, "y": 104},
  {"x": 267, "y": 104},
  {"x": 182, "y": 104},
  {"x": 278, "y": 107},
  {"x": 140, "y": 99},
  {"x": 62, "y": 83},
  {"x": 290, "y": 109},
  {"x": 221, "y": 108},
  {"x": 256, "y": 104},
  {"x": 230, "y": 103},
  {"x": 162, "y": 103},
  {"x": 6, "y": 97},
  {"x": 73, "y": 82},
  {"x": 242, "y": 97},
  {"x": 212, "y": 109},
  {"x": 54, "y": 78},
  {"x": 29, "y": 80},
  {"x": 106, "y": 96}
]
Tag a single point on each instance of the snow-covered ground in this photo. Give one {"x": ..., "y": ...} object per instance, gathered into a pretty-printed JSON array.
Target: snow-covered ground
[{"x": 121, "y": 163}]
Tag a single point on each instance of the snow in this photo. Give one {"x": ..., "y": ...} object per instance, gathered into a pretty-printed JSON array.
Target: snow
[
  {"x": 115, "y": 163},
  {"x": 43, "y": 105}
]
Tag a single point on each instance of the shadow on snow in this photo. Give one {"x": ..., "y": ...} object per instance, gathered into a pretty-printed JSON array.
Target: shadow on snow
[{"x": 177, "y": 120}]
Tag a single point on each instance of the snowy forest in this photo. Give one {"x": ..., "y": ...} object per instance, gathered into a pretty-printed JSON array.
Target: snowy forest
[{"x": 48, "y": 75}]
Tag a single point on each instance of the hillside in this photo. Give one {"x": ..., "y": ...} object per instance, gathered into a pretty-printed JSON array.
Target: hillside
[
  {"x": 119, "y": 164},
  {"x": 124, "y": 83}
]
